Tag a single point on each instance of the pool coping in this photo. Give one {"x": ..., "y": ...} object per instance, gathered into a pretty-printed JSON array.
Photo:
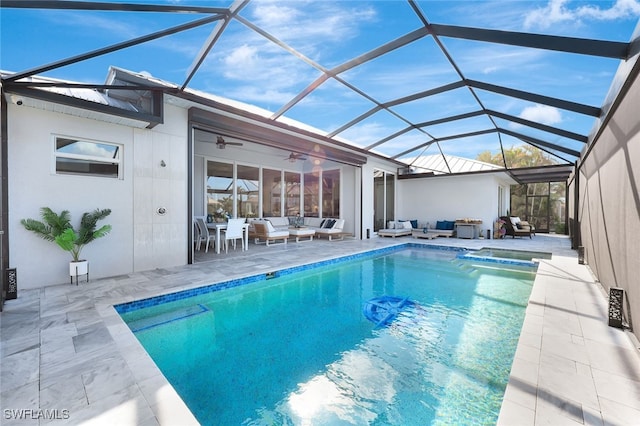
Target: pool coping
[{"x": 528, "y": 397}]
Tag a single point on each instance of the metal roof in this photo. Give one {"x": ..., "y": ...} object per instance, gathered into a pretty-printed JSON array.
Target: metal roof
[{"x": 413, "y": 92}]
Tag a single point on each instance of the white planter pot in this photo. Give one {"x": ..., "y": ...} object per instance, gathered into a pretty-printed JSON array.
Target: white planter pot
[{"x": 78, "y": 268}]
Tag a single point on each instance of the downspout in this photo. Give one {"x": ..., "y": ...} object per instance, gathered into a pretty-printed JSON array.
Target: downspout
[
  {"x": 190, "y": 187},
  {"x": 576, "y": 239},
  {"x": 361, "y": 206},
  {"x": 4, "y": 197}
]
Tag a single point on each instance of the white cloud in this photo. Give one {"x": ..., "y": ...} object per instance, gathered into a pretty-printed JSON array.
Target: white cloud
[
  {"x": 311, "y": 23},
  {"x": 558, "y": 12},
  {"x": 242, "y": 57},
  {"x": 542, "y": 114},
  {"x": 620, "y": 9},
  {"x": 261, "y": 71}
]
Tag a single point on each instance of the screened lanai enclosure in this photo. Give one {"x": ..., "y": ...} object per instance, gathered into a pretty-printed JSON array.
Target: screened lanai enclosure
[
  {"x": 433, "y": 88},
  {"x": 419, "y": 82}
]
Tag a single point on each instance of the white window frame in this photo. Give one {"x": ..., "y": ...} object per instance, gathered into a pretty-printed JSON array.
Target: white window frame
[{"x": 88, "y": 158}]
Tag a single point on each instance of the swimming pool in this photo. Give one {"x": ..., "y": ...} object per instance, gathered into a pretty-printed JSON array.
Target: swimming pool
[{"x": 298, "y": 349}]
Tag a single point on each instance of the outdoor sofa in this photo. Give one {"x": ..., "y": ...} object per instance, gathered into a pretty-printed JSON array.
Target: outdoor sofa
[
  {"x": 443, "y": 228},
  {"x": 323, "y": 227},
  {"x": 398, "y": 228}
]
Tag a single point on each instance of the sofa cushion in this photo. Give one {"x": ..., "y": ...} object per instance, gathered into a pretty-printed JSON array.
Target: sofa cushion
[
  {"x": 406, "y": 225},
  {"x": 339, "y": 224},
  {"x": 313, "y": 222},
  {"x": 391, "y": 224},
  {"x": 278, "y": 221},
  {"x": 328, "y": 224}
]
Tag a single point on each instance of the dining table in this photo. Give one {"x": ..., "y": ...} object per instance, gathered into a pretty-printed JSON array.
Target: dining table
[{"x": 218, "y": 226}]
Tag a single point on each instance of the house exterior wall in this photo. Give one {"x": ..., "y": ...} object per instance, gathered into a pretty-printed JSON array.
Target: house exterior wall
[
  {"x": 452, "y": 197},
  {"x": 609, "y": 202},
  {"x": 141, "y": 239},
  {"x": 161, "y": 240}
]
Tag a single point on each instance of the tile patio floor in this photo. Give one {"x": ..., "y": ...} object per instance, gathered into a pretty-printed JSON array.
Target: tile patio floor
[{"x": 65, "y": 350}]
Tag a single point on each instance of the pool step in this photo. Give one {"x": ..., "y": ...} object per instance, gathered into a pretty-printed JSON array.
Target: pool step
[
  {"x": 167, "y": 317},
  {"x": 465, "y": 266}
]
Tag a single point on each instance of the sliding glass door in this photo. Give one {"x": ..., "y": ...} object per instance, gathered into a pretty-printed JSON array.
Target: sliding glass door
[
  {"x": 219, "y": 189},
  {"x": 383, "y": 199}
]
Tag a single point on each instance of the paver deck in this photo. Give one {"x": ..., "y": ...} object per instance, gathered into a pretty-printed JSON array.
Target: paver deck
[{"x": 65, "y": 352}]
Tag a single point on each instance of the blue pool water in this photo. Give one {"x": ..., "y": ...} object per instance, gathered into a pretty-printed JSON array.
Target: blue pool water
[{"x": 297, "y": 349}]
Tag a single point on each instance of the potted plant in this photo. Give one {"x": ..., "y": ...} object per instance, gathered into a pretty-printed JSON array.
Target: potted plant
[{"x": 57, "y": 228}]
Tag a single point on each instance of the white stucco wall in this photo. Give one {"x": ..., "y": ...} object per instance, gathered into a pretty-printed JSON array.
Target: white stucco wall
[
  {"x": 451, "y": 198},
  {"x": 140, "y": 239},
  {"x": 161, "y": 240}
]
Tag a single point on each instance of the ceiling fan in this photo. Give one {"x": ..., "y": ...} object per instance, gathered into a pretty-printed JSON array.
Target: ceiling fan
[
  {"x": 221, "y": 143},
  {"x": 294, "y": 156}
]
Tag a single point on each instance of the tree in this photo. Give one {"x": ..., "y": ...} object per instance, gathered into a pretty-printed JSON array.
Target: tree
[{"x": 534, "y": 201}]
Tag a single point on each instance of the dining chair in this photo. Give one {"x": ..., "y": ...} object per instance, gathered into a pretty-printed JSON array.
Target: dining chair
[
  {"x": 196, "y": 235},
  {"x": 204, "y": 234},
  {"x": 233, "y": 232}
]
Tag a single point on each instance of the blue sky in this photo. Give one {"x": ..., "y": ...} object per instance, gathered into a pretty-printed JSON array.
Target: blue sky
[{"x": 245, "y": 66}]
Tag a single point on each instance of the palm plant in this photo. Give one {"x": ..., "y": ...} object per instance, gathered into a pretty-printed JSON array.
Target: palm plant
[{"x": 57, "y": 228}]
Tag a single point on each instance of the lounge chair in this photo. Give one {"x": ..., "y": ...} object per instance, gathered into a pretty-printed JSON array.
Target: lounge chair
[
  {"x": 264, "y": 230},
  {"x": 516, "y": 227}
]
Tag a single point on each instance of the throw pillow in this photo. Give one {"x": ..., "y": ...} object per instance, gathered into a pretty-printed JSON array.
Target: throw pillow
[
  {"x": 441, "y": 225},
  {"x": 414, "y": 223},
  {"x": 451, "y": 225},
  {"x": 406, "y": 225},
  {"x": 328, "y": 224},
  {"x": 322, "y": 223},
  {"x": 270, "y": 227}
]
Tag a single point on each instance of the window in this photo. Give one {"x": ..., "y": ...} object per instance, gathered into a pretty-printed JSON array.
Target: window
[
  {"x": 292, "y": 190},
  {"x": 331, "y": 193},
  {"x": 311, "y": 194},
  {"x": 81, "y": 157},
  {"x": 248, "y": 186},
  {"x": 219, "y": 189},
  {"x": 271, "y": 192}
]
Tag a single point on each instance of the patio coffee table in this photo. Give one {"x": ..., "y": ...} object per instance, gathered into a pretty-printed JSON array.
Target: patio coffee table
[
  {"x": 302, "y": 232},
  {"x": 421, "y": 234}
]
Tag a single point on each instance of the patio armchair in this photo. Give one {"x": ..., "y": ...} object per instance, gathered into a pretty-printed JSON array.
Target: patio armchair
[
  {"x": 264, "y": 230},
  {"x": 332, "y": 229},
  {"x": 516, "y": 227}
]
